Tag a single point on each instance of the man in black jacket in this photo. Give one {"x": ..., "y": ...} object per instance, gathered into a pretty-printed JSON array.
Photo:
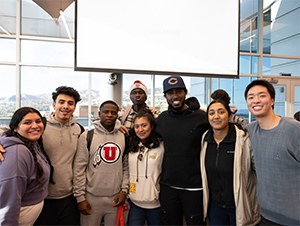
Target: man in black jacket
[{"x": 181, "y": 128}]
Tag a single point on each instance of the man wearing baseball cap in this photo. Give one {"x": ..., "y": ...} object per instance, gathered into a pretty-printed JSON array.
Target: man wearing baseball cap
[
  {"x": 181, "y": 128},
  {"x": 138, "y": 95}
]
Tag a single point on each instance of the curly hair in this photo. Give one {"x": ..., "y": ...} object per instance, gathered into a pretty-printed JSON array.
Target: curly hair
[
  {"x": 220, "y": 94},
  {"x": 14, "y": 123},
  {"x": 152, "y": 141},
  {"x": 67, "y": 91}
]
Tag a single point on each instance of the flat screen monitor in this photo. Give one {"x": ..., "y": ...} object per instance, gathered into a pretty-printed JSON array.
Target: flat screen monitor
[{"x": 162, "y": 37}]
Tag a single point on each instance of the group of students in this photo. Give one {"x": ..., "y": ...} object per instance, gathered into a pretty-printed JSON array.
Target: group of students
[{"x": 182, "y": 162}]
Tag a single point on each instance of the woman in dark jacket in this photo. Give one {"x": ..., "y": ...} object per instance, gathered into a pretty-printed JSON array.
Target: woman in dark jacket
[{"x": 228, "y": 173}]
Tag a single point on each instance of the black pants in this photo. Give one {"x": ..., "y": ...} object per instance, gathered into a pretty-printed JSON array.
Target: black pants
[
  {"x": 265, "y": 222},
  {"x": 59, "y": 212},
  {"x": 176, "y": 203}
]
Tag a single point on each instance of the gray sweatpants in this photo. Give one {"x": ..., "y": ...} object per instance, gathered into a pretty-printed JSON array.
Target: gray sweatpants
[{"x": 101, "y": 208}]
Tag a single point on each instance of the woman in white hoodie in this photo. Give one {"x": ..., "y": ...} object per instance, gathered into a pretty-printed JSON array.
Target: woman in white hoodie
[{"x": 144, "y": 159}]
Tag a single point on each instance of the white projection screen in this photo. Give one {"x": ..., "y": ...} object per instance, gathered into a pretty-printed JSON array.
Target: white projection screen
[{"x": 162, "y": 37}]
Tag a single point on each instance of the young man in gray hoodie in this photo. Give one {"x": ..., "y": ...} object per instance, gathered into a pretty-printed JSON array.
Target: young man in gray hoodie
[
  {"x": 60, "y": 143},
  {"x": 101, "y": 178}
]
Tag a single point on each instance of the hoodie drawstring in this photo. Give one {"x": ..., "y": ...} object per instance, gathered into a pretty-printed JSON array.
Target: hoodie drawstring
[
  {"x": 137, "y": 164},
  {"x": 137, "y": 170},
  {"x": 146, "y": 166}
]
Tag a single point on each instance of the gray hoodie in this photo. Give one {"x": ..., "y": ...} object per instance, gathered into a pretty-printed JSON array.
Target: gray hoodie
[
  {"x": 102, "y": 170},
  {"x": 60, "y": 143},
  {"x": 18, "y": 184}
]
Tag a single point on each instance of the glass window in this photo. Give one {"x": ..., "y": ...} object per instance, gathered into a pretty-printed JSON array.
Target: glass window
[
  {"x": 249, "y": 35},
  {"x": 95, "y": 92},
  {"x": 38, "y": 83},
  {"x": 215, "y": 84},
  {"x": 7, "y": 17},
  {"x": 297, "y": 99},
  {"x": 94, "y": 101},
  {"x": 226, "y": 84},
  {"x": 238, "y": 98},
  {"x": 280, "y": 97},
  {"x": 8, "y": 50},
  {"x": 281, "y": 27},
  {"x": 44, "y": 52},
  {"x": 7, "y": 93},
  {"x": 249, "y": 65},
  {"x": 200, "y": 90},
  {"x": 281, "y": 66},
  {"x": 36, "y": 21},
  {"x": 221, "y": 83},
  {"x": 267, "y": 36}
]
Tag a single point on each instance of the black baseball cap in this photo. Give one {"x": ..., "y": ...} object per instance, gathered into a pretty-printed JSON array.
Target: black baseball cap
[{"x": 173, "y": 82}]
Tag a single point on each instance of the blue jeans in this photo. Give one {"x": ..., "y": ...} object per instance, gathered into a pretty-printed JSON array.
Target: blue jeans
[
  {"x": 220, "y": 216},
  {"x": 138, "y": 216}
]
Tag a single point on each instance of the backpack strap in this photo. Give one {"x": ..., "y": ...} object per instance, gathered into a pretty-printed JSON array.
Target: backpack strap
[
  {"x": 81, "y": 128},
  {"x": 125, "y": 114},
  {"x": 126, "y": 145},
  {"x": 89, "y": 138}
]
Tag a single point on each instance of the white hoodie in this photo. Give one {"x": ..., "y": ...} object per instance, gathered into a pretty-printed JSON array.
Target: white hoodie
[{"x": 145, "y": 176}]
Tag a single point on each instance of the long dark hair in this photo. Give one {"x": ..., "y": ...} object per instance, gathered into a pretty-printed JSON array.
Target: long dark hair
[
  {"x": 14, "y": 124},
  {"x": 152, "y": 141},
  {"x": 226, "y": 106}
]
